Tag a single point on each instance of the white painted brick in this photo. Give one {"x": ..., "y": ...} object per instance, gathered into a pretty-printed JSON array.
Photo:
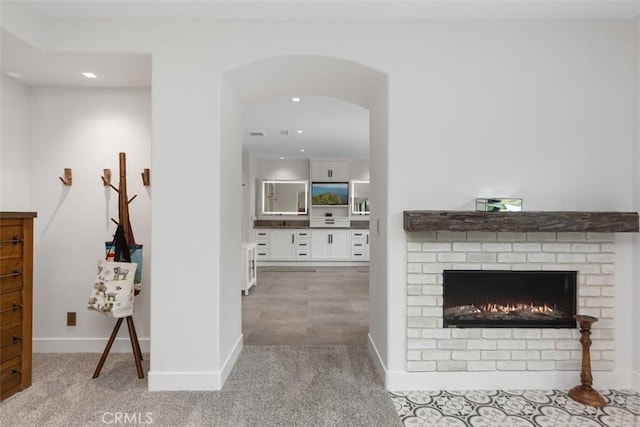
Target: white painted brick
[
  {"x": 607, "y": 291},
  {"x": 525, "y": 267},
  {"x": 601, "y": 258},
  {"x": 452, "y": 344},
  {"x": 602, "y": 366},
  {"x": 414, "y": 290},
  {"x": 541, "y": 237},
  {"x": 465, "y": 355},
  {"x": 435, "y": 267},
  {"x": 527, "y": 247},
  {"x": 568, "y": 344},
  {"x": 482, "y": 345},
  {"x": 422, "y": 366},
  {"x": 607, "y": 269},
  {"x": 571, "y": 258},
  {"x": 482, "y": 257},
  {"x": 414, "y": 311},
  {"x": 606, "y": 334},
  {"x": 481, "y": 236},
  {"x": 600, "y": 237},
  {"x": 555, "y": 355},
  {"x": 607, "y": 355},
  {"x": 431, "y": 300},
  {"x": 607, "y": 247},
  {"x": 525, "y": 355},
  {"x": 595, "y": 334},
  {"x": 511, "y": 366},
  {"x": 421, "y": 257},
  {"x": 436, "y": 247},
  {"x": 452, "y": 257},
  {"x": 594, "y": 312},
  {"x": 436, "y": 355},
  {"x": 511, "y": 344},
  {"x": 414, "y": 246},
  {"x": 572, "y": 237},
  {"x": 540, "y": 344},
  {"x": 421, "y": 236},
  {"x": 448, "y": 365},
  {"x": 599, "y": 302},
  {"x": 560, "y": 334},
  {"x": 585, "y": 247},
  {"x": 451, "y": 236},
  {"x": 527, "y": 334},
  {"x": 556, "y": 247},
  {"x": 432, "y": 290},
  {"x": 481, "y": 366},
  {"x": 508, "y": 236},
  {"x": 419, "y": 344},
  {"x": 602, "y": 279},
  {"x": 595, "y": 355},
  {"x": 512, "y": 257},
  {"x": 605, "y": 323},
  {"x": 414, "y": 355},
  {"x": 466, "y": 333},
  {"x": 602, "y": 345},
  {"x": 466, "y": 266},
  {"x": 541, "y": 257},
  {"x": 413, "y": 333},
  {"x": 414, "y": 267},
  {"x": 587, "y": 268},
  {"x": 496, "y": 267},
  {"x": 496, "y": 333},
  {"x": 495, "y": 355},
  {"x": 437, "y": 333},
  {"x": 467, "y": 247},
  {"x": 582, "y": 279},
  {"x": 546, "y": 365},
  {"x": 496, "y": 247},
  {"x": 568, "y": 365},
  {"x": 420, "y": 322},
  {"x": 589, "y": 291},
  {"x": 432, "y": 311},
  {"x": 421, "y": 300},
  {"x": 557, "y": 267}
]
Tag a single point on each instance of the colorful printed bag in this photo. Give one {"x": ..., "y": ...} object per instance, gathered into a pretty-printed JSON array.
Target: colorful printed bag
[{"x": 113, "y": 291}]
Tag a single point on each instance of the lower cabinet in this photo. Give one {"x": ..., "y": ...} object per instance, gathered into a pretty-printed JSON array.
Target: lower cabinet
[
  {"x": 248, "y": 267},
  {"x": 330, "y": 245},
  {"x": 360, "y": 245}
]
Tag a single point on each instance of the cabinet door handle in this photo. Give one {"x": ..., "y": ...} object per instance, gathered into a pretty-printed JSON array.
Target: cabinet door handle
[
  {"x": 293, "y": 238},
  {"x": 367, "y": 239},
  {"x": 16, "y": 339},
  {"x": 15, "y": 371},
  {"x": 16, "y": 305},
  {"x": 15, "y": 273}
]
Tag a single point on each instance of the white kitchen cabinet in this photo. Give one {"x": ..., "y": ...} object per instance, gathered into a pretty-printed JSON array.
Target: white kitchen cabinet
[
  {"x": 282, "y": 244},
  {"x": 329, "y": 170},
  {"x": 360, "y": 245},
  {"x": 249, "y": 277},
  {"x": 330, "y": 245}
]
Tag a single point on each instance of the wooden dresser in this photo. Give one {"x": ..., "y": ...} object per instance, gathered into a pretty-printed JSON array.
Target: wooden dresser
[{"x": 16, "y": 291}]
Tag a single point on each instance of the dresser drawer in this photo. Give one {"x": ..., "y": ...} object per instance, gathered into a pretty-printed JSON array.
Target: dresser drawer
[
  {"x": 10, "y": 335},
  {"x": 10, "y": 275},
  {"x": 11, "y": 350},
  {"x": 10, "y": 241},
  {"x": 10, "y": 377},
  {"x": 10, "y": 308}
]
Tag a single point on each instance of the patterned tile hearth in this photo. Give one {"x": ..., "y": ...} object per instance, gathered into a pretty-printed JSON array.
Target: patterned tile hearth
[{"x": 524, "y": 408}]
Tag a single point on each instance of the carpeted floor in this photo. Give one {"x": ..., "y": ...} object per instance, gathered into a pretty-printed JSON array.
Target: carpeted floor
[
  {"x": 330, "y": 385},
  {"x": 528, "y": 408}
]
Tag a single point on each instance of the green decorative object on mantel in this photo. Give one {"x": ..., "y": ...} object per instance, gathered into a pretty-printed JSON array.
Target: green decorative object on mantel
[{"x": 499, "y": 205}]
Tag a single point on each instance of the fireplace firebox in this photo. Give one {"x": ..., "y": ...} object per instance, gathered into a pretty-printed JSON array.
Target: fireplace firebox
[{"x": 509, "y": 299}]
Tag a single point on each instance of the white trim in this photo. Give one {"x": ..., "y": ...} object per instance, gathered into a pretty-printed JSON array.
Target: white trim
[
  {"x": 378, "y": 363},
  {"x": 492, "y": 380},
  {"x": 85, "y": 345},
  {"x": 199, "y": 381},
  {"x": 635, "y": 381}
]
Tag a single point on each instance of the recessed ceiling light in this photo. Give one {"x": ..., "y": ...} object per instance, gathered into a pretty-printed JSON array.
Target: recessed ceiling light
[
  {"x": 295, "y": 99},
  {"x": 299, "y": 131},
  {"x": 281, "y": 158},
  {"x": 302, "y": 150},
  {"x": 14, "y": 74},
  {"x": 90, "y": 75}
]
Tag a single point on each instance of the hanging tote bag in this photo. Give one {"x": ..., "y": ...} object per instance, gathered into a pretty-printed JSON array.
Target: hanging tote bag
[{"x": 113, "y": 290}]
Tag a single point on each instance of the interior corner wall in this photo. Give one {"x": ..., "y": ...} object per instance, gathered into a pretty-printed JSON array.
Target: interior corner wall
[
  {"x": 84, "y": 129},
  {"x": 635, "y": 297},
  {"x": 14, "y": 146}
]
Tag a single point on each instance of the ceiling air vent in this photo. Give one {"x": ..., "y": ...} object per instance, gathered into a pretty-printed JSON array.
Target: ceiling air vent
[
  {"x": 284, "y": 132},
  {"x": 257, "y": 133}
]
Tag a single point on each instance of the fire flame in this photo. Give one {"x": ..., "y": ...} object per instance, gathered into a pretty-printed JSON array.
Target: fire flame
[{"x": 495, "y": 308}]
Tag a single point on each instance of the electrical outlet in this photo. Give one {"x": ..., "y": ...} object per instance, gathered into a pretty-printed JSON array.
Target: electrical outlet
[{"x": 71, "y": 318}]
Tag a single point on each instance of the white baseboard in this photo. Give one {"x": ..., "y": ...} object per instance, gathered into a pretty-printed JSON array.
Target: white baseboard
[
  {"x": 195, "y": 381},
  {"x": 378, "y": 363},
  {"x": 635, "y": 381},
  {"x": 85, "y": 345}
]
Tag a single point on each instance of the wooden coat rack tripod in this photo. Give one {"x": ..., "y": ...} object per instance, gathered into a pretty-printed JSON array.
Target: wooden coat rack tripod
[{"x": 123, "y": 221}]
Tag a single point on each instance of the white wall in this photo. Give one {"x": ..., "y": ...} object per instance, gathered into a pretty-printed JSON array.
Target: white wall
[
  {"x": 544, "y": 110},
  {"x": 14, "y": 146},
  {"x": 635, "y": 240},
  {"x": 84, "y": 129}
]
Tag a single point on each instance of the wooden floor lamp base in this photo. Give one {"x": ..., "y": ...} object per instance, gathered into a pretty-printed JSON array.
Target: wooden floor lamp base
[
  {"x": 584, "y": 393},
  {"x": 587, "y": 396}
]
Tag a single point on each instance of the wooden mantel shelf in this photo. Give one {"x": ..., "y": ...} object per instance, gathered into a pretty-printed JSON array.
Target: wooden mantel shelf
[{"x": 541, "y": 221}]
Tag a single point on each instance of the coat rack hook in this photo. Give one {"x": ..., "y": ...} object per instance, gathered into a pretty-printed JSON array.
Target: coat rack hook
[
  {"x": 106, "y": 177},
  {"x": 67, "y": 177},
  {"x": 146, "y": 177}
]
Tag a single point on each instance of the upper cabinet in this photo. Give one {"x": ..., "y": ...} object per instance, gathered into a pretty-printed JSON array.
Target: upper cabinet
[{"x": 329, "y": 170}]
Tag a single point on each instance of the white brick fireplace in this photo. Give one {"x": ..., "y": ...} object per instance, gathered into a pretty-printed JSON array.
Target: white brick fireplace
[{"x": 430, "y": 348}]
